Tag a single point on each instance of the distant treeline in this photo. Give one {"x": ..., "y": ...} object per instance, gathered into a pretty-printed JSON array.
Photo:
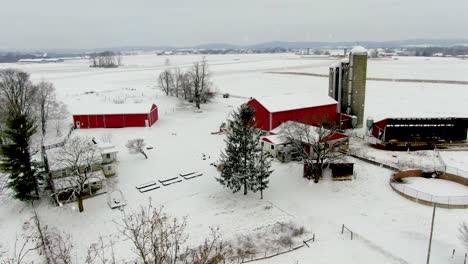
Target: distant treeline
[
  {"x": 105, "y": 59},
  {"x": 431, "y": 51},
  {"x": 11, "y": 57},
  {"x": 14, "y": 57},
  {"x": 241, "y": 51}
]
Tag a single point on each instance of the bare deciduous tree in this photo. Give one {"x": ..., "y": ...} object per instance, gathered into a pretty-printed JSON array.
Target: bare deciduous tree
[
  {"x": 186, "y": 86},
  {"x": 58, "y": 114},
  {"x": 101, "y": 253},
  {"x": 105, "y": 59},
  {"x": 58, "y": 246},
  {"x": 178, "y": 78},
  {"x": 79, "y": 156},
  {"x": 201, "y": 82},
  {"x": 46, "y": 102},
  {"x": 463, "y": 236},
  {"x": 312, "y": 144},
  {"x": 166, "y": 82},
  {"x": 25, "y": 244},
  {"x": 137, "y": 146},
  {"x": 213, "y": 250},
  {"x": 156, "y": 237},
  {"x": 17, "y": 94}
]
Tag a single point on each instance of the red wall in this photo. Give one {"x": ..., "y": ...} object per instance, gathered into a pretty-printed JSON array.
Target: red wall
[
  {"x": 377, "y": 126},
  {"x": 153, "y": 116},
  {"x": 311, "y": 116},
  {"x": 262, "y": 116},
  {"x": 117, "y": 121}
]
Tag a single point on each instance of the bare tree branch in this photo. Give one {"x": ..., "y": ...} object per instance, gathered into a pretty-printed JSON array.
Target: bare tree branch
[{"x": 137, "y": 146}]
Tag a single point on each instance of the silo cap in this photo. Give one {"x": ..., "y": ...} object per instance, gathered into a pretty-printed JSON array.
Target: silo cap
[{"x": 358, "y": 49}]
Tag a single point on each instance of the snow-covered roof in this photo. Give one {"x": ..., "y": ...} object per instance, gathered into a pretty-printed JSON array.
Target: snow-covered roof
[
  {"x": 54, "y": 157},
  {"x": 110, "y": 109},
  {"x": 294, "y": 101},
  {"x": 293, "y": 127},
  {"x": 358, "y": 49},
  {"x": 276, "y": 139},
  {"x": 107, "y": 148},
  {"x": 65, "y": 183}
]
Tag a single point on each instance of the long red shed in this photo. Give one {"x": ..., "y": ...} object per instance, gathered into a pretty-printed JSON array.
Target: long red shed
[
  {"x": 270, "y": 112},
  {"x": 115, "y": 116}
]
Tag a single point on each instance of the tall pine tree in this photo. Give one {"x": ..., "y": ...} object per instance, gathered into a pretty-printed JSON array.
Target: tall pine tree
[
  {"x": 242, "y": 161},
  {"x": 263, "y": 172},
  {"x": 15, "y": 157}
]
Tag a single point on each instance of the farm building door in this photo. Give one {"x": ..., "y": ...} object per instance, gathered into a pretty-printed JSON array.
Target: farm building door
[
  {"x": 78, "y": 124},
  {"x": 146, "y": 123}
]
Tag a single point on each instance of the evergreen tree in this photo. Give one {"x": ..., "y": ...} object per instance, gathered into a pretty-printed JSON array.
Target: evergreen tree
[
  {"x": 242, "y": 159},
  {"x": 15, "y": 157},
  {"x": 263, "y": 172}
]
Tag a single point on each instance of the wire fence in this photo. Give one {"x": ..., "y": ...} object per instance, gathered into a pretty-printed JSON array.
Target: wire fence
[
  {"x": 255, "y": 256},
  {"x": 61, "y": 143}
]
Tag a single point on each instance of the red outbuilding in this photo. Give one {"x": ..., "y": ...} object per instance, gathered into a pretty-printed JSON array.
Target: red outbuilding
[
  {"x": 270, "y": 112},
  {"x": 115, "y": 116}
]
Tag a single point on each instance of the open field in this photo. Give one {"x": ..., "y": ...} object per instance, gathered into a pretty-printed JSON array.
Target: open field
[{"x": 388, "y": 228}]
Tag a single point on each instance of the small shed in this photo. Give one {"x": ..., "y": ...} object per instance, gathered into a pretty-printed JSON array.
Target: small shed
[{"x": 115, "y": 116}]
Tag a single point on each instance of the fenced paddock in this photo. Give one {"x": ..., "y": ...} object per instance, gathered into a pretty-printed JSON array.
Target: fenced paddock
[{"x": 427, "y": 198}]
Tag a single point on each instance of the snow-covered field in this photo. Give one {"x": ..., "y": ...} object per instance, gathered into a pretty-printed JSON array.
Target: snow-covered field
[{"x": 388, "y": 228}]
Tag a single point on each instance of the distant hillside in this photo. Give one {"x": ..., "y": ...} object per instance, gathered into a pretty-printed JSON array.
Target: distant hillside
[{"x": 262, "y": 47}]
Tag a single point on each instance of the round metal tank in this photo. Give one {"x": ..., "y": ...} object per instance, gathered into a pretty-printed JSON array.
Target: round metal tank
[
  {"x": 369, "y": 123},
  {"x": 354, "y": 121}
]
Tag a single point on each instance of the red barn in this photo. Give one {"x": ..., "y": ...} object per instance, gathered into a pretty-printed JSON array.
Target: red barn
[
  {"x": 115, "y": 116},
  {"x": 270, "y": 112}
]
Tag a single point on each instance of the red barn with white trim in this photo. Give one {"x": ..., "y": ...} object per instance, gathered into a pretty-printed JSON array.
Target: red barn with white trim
[
  {"x": 115, "y": 116},
  {"x": 270, "y": 112}
]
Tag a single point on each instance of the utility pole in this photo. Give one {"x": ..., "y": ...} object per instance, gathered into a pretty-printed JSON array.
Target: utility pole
[{"x": 430, "y": 236}]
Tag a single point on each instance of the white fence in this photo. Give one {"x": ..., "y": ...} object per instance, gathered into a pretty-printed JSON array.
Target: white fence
[{"x": 443, "y": 200}]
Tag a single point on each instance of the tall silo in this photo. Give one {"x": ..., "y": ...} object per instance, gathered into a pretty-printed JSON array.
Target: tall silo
[{"x": 356, "y": 88}]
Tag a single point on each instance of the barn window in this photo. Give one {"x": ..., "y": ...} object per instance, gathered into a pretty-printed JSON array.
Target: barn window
[
  {"x": 272, "y": 146},
  {"x": 107, "y": 156},
  {"x": 262, "y": 143}
]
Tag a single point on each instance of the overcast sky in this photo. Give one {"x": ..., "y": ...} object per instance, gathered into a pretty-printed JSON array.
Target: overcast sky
[{"x": 112, "y": 23}]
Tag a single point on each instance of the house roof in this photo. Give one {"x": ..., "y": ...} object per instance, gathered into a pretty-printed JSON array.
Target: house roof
[
  {"x": 296, "y": 127},
  {"x": 294, "y": 101},
  {"x": 275, "y": 139},
  {"x": 54, "y": 158},
  {"x": 65, "y": 183},
  {"x": 111, "y": 109}
]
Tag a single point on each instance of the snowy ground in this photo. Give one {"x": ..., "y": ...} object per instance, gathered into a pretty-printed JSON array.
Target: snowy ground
[
  {"x": 389, "y": 228},
  {"x": 436, "y": 187}
]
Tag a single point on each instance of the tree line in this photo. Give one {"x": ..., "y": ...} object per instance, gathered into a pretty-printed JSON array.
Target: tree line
[
  {"x": 194, "y": 85},
  {"x": 105, "y": 59}
]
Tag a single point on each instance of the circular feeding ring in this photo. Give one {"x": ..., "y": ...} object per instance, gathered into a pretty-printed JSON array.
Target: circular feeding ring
[{"x": 424, "y": 197}]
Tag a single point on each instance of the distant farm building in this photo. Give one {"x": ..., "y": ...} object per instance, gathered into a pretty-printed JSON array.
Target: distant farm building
[
  {"x": 271, "y": 112},
  {"x": 115, "y": 116},
  {"x": 414, "y": 132}
]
